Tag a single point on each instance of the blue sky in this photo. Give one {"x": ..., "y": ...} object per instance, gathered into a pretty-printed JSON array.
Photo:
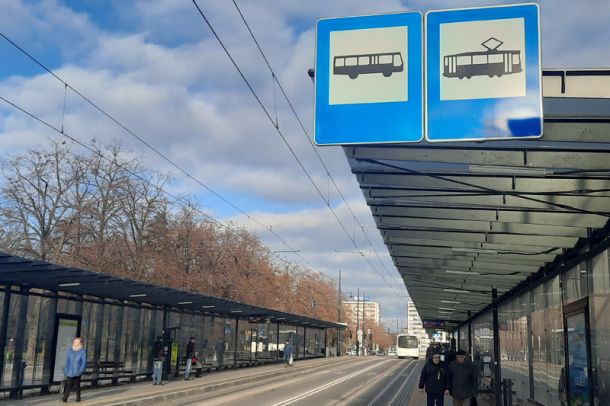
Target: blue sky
[{"x": 154, "y": 65}]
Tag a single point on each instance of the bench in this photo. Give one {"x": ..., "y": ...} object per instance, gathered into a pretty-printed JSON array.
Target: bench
[{"x": 104, "y": 370}]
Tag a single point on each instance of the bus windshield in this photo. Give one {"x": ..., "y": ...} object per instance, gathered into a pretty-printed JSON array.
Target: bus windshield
[{"x": 407, "y": 342}]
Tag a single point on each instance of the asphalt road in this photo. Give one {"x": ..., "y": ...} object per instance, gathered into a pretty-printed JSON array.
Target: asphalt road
[{"x": 371, "y": 381}]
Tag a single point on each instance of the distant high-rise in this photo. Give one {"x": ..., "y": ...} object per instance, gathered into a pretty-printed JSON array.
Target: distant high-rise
[
  {"x": 368, "y": 308},
  {"x": 415, "y": 327}
]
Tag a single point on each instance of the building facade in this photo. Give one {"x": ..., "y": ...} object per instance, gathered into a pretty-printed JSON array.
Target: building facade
[
  {"x": 365, "y": 309},
  {"x": 415, "y": 327}
]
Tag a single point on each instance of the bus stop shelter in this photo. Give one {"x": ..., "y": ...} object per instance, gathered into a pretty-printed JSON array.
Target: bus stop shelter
[
  {"x": 43, "y": 306},
  {"x": 507, "y": 242}
]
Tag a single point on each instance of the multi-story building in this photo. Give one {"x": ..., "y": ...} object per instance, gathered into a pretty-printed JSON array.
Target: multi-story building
[
  {"x": 415, "y": 327},
  {"x": 368, "y": 310}
]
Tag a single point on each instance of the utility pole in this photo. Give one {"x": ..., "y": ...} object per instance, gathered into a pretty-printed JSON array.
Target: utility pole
[
  {"x": 363, "y": 318},
  {"x": 339, "y": 317},
  {"x": 357, "y": 322}
]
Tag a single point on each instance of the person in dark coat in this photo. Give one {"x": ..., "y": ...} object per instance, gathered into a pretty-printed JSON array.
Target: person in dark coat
[
  {"x": 462, "y": 380},
  {"x": 219, "y": 350},
  {"x": 434, "y": 379},
  {"x": 190, "y": 353},
  {"x": 158, "y": 354}
]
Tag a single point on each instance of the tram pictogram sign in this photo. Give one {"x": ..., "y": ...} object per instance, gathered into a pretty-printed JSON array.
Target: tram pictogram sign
[{"x": 483, "y": 75}]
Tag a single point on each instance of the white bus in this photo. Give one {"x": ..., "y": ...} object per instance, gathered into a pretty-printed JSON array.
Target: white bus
[{"x": 407, "y": 346}]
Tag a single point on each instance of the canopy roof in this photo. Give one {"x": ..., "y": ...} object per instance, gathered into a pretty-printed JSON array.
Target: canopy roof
[
  {"x": 462, "y": 218},
  {"x": 44, "y": 275}
]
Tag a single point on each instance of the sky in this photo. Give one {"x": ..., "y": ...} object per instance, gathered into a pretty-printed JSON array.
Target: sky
[{"x": 156, "y": 67}]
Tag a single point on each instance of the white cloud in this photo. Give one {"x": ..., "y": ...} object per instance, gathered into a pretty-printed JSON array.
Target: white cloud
[{"x": 163, "y": 75}]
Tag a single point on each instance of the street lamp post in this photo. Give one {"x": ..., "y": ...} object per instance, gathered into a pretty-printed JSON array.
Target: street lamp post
[{"x": 358, "y": 322}]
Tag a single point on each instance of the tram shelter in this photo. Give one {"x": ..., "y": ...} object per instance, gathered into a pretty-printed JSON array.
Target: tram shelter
[{"x": 507, "y": 242}]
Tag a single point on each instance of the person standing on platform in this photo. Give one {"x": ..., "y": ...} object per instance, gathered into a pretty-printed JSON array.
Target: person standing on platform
[
  {"x": 288, "y": 350},
  {"x": 462, "y": 380},
  {"x": 190, "y": 353},
  {"x": 75, "y": 365},
  {"x": 434, "y": 379},
  {"x": 219, "y": 349},
  {"x": 158, "y": 356}
]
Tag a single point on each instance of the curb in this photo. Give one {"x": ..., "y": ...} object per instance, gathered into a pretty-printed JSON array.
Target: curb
[{"x": 188, "y": 392}]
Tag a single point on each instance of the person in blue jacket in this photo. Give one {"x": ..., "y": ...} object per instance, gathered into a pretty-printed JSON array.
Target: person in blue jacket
[
  {"x": 76, "y": 361},
  {"x": 287, "y": 352}
]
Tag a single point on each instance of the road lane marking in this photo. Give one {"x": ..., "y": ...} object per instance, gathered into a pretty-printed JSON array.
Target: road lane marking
[
  {"x": 403, "y": 384},
  {"x": 389, "y": 385},
  {"x": 325, "y": 386}
]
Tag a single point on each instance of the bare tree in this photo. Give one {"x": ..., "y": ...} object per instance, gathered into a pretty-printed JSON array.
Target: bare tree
[{"x": 35, "y": 200}]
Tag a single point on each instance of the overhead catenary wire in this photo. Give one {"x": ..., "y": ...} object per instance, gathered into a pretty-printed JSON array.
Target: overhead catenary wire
[
  {"x": 152, "y": 148},
  {"x": 283, "y": 137},
  {"x": 307, "y": 135},
  {"x": 177, "y": 199}
]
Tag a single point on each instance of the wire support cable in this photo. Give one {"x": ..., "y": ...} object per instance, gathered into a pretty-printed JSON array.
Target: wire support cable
[
  {"x": 283, "y": 137},
  {"x": 307, "y": 135}
]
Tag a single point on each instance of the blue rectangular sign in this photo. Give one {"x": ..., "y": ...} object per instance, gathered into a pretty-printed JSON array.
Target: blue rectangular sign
[
  {"x": 483, "y": 74},
  {"x": 368, "y": 79}
]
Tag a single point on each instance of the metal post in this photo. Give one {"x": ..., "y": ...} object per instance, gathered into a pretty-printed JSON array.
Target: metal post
[
  {"x": 530, "y": 344},
  {"x": 496, "y": 358},
  {"x": 235, "y": 343},
  {"x": 363, "y": 320},
  {"x": 277, "y": 339},
  {"x": 19, "y": 341},
  {"x": 469, "y": 334},
  {"x": 304, "y": 341},
  {"x": 4, "y": 327},
  {"x": 357, "y": 322},
  {"x": 338, "y": 318},
  {"x": 325, "y": 346}
]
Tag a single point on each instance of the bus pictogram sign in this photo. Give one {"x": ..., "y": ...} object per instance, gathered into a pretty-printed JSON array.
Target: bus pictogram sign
[{"x": 368, "y": 79}]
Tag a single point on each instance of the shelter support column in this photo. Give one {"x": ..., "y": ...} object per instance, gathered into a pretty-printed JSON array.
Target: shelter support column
[
  {"x": 469, "y": 333},
  {"x": 19, "y": 341},
  {"x": 277, "y": 339},
  {"x": 235, "y": 346},
  {"x": 4, "y": 327},
  {"x": 496, "y": 338}
]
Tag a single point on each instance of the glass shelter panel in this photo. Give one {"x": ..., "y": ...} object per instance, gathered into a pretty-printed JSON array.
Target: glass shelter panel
[
  {"x": 599, "y": 320},
  {"x": 514, "y": 344},
  {"x": 482, "y": 349}
]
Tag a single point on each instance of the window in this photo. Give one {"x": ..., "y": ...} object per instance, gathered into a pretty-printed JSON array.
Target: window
[
  {"x": 339, "y": 61},
  {"x": 496, "y": 58},
  {"x": 364, "y": 60},
  {"x": 464, "y": 60},
  {"x": 353, "y": 61},
  {"x": 386, "y": 59},
  {"x": 479, "y": 59}
]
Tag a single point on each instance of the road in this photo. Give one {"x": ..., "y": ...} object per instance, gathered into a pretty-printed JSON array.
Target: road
[{"x": 371, "y": 381}]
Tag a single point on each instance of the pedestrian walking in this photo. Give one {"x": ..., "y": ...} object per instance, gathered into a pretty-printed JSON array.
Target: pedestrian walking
[
  {"x": 462, "y": 380},
  {"x": 219, "y": 351},
  {"x": 190, "y": 354},
  {"x": 288, "y": 350},
  {"x": 158, "y": 357},
  {"x": 76, "y": 362},
  {"x": 434, "y": 379}
]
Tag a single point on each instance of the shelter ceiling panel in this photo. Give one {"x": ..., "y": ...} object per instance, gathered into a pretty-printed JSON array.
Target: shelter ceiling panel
[
  {"x": 481, "y": 226},
  {"x": 505, "y": 248},
  {"x": 509, "y": 239},
  {"x": 590, "y": 204},
  {"x": 550, "y": 218},
  {"x": 488, "y": 183}
]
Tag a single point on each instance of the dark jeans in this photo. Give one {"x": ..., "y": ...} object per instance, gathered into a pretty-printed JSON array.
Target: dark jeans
[
  {"x": 433, "y": 399},
  {"x": 72, "y": 383}
]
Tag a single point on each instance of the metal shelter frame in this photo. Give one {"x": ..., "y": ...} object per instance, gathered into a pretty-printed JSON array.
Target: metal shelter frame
[{"x": 471, "y": 225}]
